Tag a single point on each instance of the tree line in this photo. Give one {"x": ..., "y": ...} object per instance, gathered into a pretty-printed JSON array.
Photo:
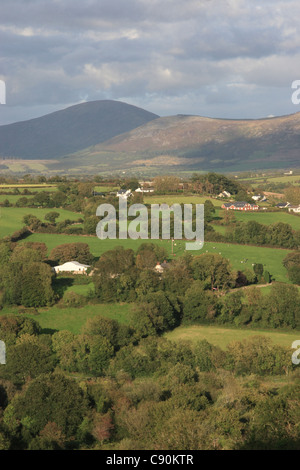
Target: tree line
[{"x": 105, "y": 388}]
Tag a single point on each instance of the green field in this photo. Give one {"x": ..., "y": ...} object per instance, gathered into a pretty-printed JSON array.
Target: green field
[
  {"x": 12, "y": 198},
  {"x": 266, "y": 218},
  {"x": 237, "y": 254},
  {"x": 181, "y": 200},
  {"x": 220, "y": 336},
  {"x": 294, "y": 179},
  {"x": 105, "y": 189},
  {"x": 73, "y": 319},
  {"x": 11, "y": 217},
  {"x": 36, "y": 187},
  {"x": 83, "y": 289}
]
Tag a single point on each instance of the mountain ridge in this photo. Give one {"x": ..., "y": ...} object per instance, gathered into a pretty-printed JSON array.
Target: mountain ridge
[{"x": 104, "y": 136}]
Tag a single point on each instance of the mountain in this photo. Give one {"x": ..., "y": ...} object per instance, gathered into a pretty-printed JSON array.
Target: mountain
[
  {"x": 109, "y": 136},
  {"x": 199, "y": 143},
  {"x": 70, "y": 130}
]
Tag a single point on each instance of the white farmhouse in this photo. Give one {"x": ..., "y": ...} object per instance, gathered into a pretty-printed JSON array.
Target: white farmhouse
[
  {"x": 72, "y": 267},
  {"x": 295, "y": 209},
  {"x": 124, "y": 193}
]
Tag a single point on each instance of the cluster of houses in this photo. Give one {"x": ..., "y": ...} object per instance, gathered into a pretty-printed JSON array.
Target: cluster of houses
[
  {"x": 126, "y": 193},
  {"x": 240, "y": 206},
  {"x": 290, "y": 207}
]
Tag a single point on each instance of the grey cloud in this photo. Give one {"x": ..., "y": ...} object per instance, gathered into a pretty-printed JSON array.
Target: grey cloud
[{"x": 218, "y": 56}]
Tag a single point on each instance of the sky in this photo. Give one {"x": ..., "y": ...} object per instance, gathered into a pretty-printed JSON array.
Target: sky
[{"x": 233, "y": 59}]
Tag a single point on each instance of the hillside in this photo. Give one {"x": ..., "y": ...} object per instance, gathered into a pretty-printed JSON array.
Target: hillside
[
  {"x": 70, "y": 130},
  {"x": 105, "y": 136},
  {"x": 194, "y": 143}
]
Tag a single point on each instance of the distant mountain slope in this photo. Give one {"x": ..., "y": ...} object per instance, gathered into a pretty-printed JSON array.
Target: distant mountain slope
[
  {"x": 70, "y": 130},
  {"x": 195, "y": 142}
]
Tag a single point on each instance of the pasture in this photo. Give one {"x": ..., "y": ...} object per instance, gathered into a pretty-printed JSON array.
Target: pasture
[
  {"x": 32, "y": 187},
  {"x": 180, "y": 199},
  {"x": 220, "y": 336},
  {"x": 11, "y": 217},
  {"x": 71, "y": 318},
  {"x": 266, "y": 218},
  {"x": 259, "y": 180},
  {"x": 240, "y": 256}
]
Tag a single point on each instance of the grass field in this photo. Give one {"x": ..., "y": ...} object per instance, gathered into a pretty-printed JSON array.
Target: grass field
[
  {"x": 35, "y": 187},
  {"x": 12, "y": 198},
  {"x": 81, "y": 289},
  {"x": 223, "y": 336},
  {"x": 105, "y": 189},
  {"x": 294, "y": 179},
  {"x": 73, "y": 319},
  {"x": 181, "y": 199},
  {"x": 11, "y": 217},
  {"x": 271, "y": 257},
  {"x": 266, "y": 218}
]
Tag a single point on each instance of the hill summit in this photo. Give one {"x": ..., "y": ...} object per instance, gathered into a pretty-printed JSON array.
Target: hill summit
[{"x": 70, "y": 130}]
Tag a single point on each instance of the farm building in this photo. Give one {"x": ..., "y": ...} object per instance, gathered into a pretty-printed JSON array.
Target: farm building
[
  {"x": 283, "y": 205},
  {"x": 124, "y": 194},
  {"x": 295, "y": 209},
  {"x": 240, "y": 206},
  {"x": 224, "y": 194},
  {"x": 141, "y": 190},
  {"x": 72, "y": 267},
  {"x": 160, "y": 267}
]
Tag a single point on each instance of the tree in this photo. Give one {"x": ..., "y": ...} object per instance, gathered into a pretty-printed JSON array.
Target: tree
[
  {"x": 103, "y": 327},
  {"x": 37, "y": 285},
  {"x": 23, "y": 254},
  {"x": 282, "y": 307},
  {"x": 148, "y": 254},
  {"x": 71, "y": 252},
  {"x": 165, "y": 184},
  {"x": 27, "y": 360},
  {"x": 48, "y": 398},
  {"x": 32, "y": 221},
  {"x": 258, "y": 269},
  {"x": 292, "y": 264},
  {"x": 50, "y": 438},
  {"x": 178, "y": 277},
  {"x": 209, "y": 211},
  {"x": 115, "y": 262},
  {"x": 58, "y": 198},
  {"x": 199, "y": 305},
  {"x": 154, "y": 314},
  {"x": 52, "y": 216},
  {"x": 281, "y": 234},
  {"x": 213, "y": 270},
  {"x": 231, "y": 306},
  {"x": 293, "y": 194},
  {"x": 90, "y": 224},
  {"x": 13, "y": 327}
]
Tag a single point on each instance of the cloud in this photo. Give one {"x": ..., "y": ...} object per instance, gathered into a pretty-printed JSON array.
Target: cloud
[{"x": 220, "y": 58}]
